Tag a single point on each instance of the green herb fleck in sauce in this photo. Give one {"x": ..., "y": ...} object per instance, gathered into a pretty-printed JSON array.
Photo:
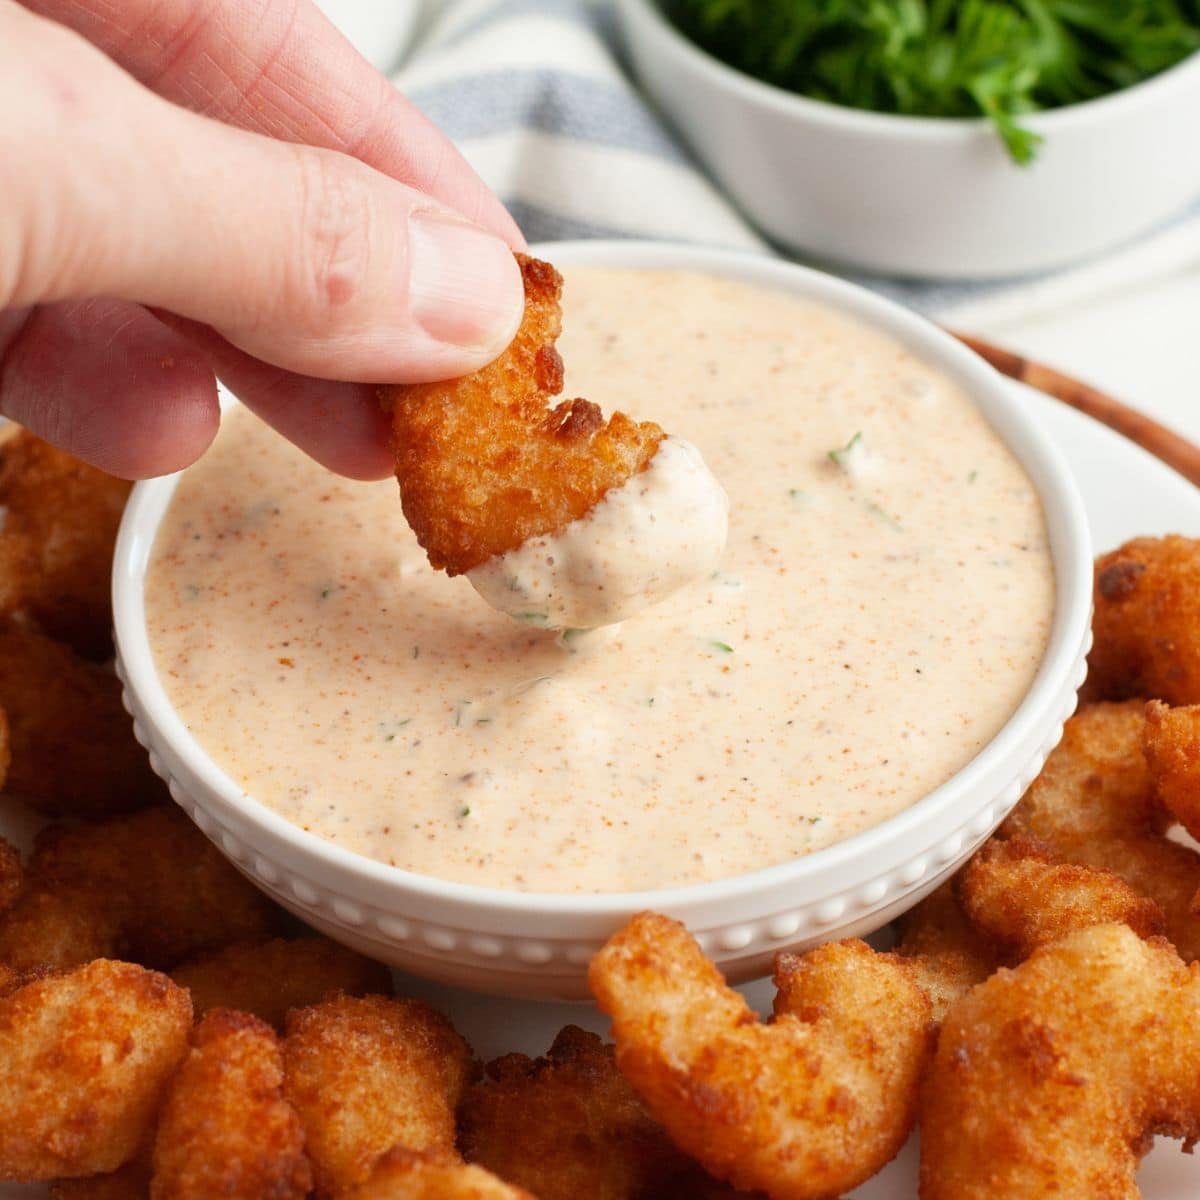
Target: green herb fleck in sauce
[{"x": 841, "y": 458}]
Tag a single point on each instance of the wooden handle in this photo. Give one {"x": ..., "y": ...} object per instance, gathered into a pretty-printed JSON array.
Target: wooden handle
[{"x": 1163, "y": 443}]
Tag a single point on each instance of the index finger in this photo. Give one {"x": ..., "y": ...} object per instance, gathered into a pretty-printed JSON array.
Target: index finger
[{"x": 280, "y": 67}]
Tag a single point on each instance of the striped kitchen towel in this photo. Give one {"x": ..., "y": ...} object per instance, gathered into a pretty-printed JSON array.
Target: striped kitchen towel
[{"x": 534, "y": 94}]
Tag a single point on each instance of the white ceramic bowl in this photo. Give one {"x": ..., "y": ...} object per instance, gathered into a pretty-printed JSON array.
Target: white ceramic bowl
[
  {"x": 539, "y": 945},
  {"x": 923, "y": 196}
]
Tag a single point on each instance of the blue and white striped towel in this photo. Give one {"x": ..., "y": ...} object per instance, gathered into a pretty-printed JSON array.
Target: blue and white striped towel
[{"x": 533, "y": 93}]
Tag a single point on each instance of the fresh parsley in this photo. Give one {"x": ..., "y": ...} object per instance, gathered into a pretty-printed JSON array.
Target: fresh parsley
[{"x": 1000, "y": 59}]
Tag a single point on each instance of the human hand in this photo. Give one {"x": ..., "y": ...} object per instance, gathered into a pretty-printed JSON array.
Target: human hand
[{"x": 200, "y": 186}]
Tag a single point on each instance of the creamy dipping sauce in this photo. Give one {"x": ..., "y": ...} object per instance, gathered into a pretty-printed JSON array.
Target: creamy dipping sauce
[
  {"x": 881, "y": 608},
  {"x": 665, "y": 528}
]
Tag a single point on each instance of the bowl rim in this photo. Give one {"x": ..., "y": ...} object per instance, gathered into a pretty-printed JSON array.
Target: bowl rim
[
  {"x": 867, "y": 121},
  {"x": 1073, "y": 596}
]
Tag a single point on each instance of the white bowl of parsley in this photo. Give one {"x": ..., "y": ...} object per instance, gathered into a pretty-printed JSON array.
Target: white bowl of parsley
[{"x": 935, "y": 138}]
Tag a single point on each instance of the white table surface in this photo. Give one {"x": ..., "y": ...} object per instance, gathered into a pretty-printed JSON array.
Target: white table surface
[{"x": 1142, "y": 346}]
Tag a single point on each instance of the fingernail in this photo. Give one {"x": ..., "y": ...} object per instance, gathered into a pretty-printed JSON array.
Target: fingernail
[{"x": 464, "y": 284}]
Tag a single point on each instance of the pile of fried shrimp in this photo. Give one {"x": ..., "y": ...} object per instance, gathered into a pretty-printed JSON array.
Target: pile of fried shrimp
[{"x": 167, "y": 1032}]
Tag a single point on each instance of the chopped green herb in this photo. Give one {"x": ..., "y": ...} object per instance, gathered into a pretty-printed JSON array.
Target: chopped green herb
[
  {"x": 483, "y": 720},
  {"x": 814, "y": 820},
  {"x": 972, "y": 476},
  {"x": 650, "y": 702},
  {"x": 841, "y": 458},
  {"x": 800, "y": 493},
  {"x": 532, "y": 618},
  {"x": 998, "y": 59},
  {"x": 723, "y": 647},
  {"x": 464, "y": 812},
  {"x": 416, "y": 652},
  {"x": 882, "y": 512},
  {"x": 327, "y": 591}
]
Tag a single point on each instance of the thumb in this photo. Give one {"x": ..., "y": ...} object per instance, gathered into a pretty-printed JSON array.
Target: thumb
[{"x": 303, "y": 257}]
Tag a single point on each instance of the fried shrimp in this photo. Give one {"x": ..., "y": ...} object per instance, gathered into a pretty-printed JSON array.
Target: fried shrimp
[
  {"x": 808, "y": 1106},
  {"x": 567, "y": 1125},
  {"x": 56, "y": 542},
  {"x": 1172, "y": 746},
  {"x": 551, "y": 512},
  {"x": 149, "y": 887},
  {"x": 225, "y": 1128},
  {"x": 1049, "y": 1079},
  {"x": 1018, "y": 896},
  {"x": 1147, "y": 622},
  {"x": 404, "y": 1174},
  {"x": 1094, "y": 804},
  {"x": 71, "y": 740},
  {"x": 366, "y": 1074},
  {"x": 268, "y": 978},
  {"x": 84, "y": 1060},
  {"x": 947, "y": 954}
]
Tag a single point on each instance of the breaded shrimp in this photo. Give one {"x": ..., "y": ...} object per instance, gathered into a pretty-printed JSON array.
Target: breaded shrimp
[
  {"x": 404, "y": 1174},
  {"x": 497, "y": 485},
  {"x": 56, "y": 542},
  {"x": 225, "y": 1129},
  {"x": 366, "y": 1074},
  {"x": 1147, "y": 622},
  {"x": 1019, "y": 897},
  {"x": 947, "y": 954},
  {"x": 150, "y": 887},
  {"x": 808, "y": 1106},
  {"x": 1049, "y": 1079},
  {"x": 268, "y": 978},
  {"x": 1094, "y": 804},
  {"x": 567, "y": 1125},
  {"x": 1172, "y": 745},
  {"x": 71, "y": 740},
  {"x": 84, "y": 1060}
]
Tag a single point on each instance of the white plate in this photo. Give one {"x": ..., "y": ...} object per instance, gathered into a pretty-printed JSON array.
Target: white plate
[{"x": 1127, "y": 492}]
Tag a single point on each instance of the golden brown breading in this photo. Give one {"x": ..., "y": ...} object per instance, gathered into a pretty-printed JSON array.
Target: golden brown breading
[
  {"x": 808, "y": 1106},
  {"x": 1147, "y": 622},
  {"x": 225, "y": 1129},
  {"x": 567, "y": 1125},
  {"x": 84, "y": 1059},
  {"x": 9, "y": 980},
  {"x": 404, "y": 1174},
  {"x": 268, "y": 978},
  {"x": 1094, "y": 804},
  {"x": 1095, "y": 781},
  {"x": 149, "y": 887},
  {"x": 60, "y": 527},
  {"x": 1049, "y": 1078},
  {"x": 1172, "y": 747},
  {"x": 484, "y": 464},
  {"x": 56, "y": 541},
  {"x": 73, "y": 750},
  {"x": 1019, "y": 897},
  {"x": 11, "y": 875},
  {"x": 369, "y": 1073},
  {"x": 947, "y": 954}
]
